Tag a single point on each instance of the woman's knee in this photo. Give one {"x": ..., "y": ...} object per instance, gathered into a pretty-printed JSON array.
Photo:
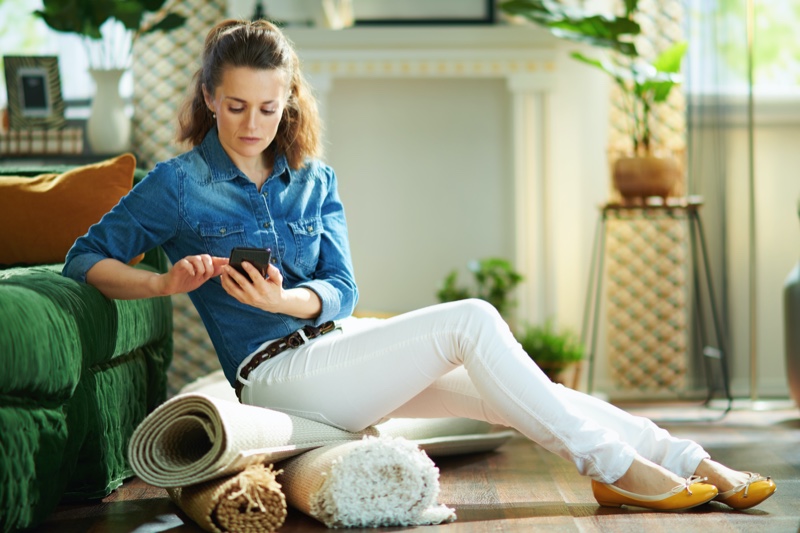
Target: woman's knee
[
  {"x": 478, "y": 308},
  {"x": 478, "y": 319}
]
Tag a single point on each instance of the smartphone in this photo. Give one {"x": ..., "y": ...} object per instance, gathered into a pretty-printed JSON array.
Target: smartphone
[{"x": 258, "y": 257}]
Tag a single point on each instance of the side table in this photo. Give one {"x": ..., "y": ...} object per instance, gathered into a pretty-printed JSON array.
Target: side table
[{"x": 678, "y": 208}]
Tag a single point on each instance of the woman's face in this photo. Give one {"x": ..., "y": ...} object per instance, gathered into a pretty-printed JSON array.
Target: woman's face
[{"x": 249, "y": 104}]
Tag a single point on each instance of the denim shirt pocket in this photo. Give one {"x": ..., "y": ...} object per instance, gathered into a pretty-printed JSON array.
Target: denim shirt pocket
[
  {"x": 219, "y": 239},
  {"x": 307, "y": 235}
]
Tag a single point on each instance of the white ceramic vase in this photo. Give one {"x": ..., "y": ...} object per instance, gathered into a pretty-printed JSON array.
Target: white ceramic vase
[{"x": 109, "y": 127}]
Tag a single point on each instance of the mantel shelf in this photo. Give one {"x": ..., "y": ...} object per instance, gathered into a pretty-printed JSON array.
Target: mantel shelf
[{"x": 423, "y": 38}]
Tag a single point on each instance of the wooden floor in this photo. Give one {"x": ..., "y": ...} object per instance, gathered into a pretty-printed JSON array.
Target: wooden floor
[{"x": 522, "y": 487}]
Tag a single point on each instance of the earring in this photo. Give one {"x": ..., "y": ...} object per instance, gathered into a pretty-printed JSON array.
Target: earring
[{"x": 214, "y": 116}]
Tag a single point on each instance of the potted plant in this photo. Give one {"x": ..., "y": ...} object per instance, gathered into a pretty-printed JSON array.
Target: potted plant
[
  {"x": 494, "y": 280},
  {"x": 555, "y": 351},
  {"x": 644, "y": 85},
  {"x": 108, "y": 29}
]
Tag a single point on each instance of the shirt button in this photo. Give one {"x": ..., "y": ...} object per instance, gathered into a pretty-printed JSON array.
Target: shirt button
[
  {"x": 222, "y": 230},
  {"x": 266, "y": 224},
  {"x": 310, "y": 228},
  {"x": 273, "y": 261}
]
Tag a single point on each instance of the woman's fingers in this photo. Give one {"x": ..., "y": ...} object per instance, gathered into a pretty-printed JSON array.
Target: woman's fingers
[
  {"x": 201, "y": 266},
  {"x": 275, "y": 275}
]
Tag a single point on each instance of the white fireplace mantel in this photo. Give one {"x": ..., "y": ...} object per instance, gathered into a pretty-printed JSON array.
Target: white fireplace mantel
[{"x": 522, "y": 56}]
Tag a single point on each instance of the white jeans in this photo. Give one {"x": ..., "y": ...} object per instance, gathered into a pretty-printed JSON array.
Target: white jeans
[{"x": 458, "y": 359}]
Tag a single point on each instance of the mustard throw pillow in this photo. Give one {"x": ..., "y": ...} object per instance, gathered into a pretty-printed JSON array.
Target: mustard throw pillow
[{"x": 41, "y": 217}]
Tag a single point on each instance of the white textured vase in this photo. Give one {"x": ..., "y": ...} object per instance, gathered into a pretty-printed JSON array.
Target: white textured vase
[{"x": 109, "y": 127}]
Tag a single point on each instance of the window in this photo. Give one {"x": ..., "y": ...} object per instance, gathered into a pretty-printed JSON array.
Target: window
[{"x": 718, "y": 48}]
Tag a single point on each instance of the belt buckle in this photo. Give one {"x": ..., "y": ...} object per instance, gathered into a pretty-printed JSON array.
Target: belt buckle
[
  {"x": 293, "y": 340},
  {"x": 327, "y": 327}
]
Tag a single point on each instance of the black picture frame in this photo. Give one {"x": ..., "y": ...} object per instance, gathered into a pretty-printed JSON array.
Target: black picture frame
[
  {"x": 393, "y": 13},
  {"x": 34, "y": 92}
]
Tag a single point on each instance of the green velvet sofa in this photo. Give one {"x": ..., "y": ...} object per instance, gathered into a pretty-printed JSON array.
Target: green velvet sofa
[{"x": 79, "y": 373}]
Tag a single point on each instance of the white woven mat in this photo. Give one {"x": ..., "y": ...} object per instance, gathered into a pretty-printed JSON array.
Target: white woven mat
[{"x": 194, "y": 438}]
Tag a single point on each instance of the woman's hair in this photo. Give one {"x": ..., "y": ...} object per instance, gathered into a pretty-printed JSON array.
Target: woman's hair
[{"x": 257, "y": 45}]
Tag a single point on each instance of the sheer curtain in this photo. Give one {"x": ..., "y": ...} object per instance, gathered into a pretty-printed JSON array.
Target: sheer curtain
[{"x": 728, "y": 149}]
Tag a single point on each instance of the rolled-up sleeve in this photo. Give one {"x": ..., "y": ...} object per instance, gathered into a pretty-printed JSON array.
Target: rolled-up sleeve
[
  {"x": 143, "y": 219},
  {"x": 334, "y": 280}
]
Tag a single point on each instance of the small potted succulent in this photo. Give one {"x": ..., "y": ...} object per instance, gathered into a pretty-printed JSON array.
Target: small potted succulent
[{"x": 644, "y": 85}]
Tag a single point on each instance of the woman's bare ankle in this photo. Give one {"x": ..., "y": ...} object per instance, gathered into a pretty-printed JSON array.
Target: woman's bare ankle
[
  {"x": 723, "y": 477},
  {"x": 647, "y": 478}
]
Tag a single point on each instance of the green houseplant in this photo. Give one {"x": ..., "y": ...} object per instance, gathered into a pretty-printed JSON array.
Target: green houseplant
[
  {"x": 644, "y": 85},
  {"x": 494, "y": 280},
  {"x": 556, "y": 351}
]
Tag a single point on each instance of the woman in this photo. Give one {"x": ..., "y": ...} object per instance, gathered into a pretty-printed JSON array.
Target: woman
[{"x": 251, "y": 180}]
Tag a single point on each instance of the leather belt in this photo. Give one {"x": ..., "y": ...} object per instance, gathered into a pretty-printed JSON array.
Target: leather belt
[{"x": 293, "y": 340}]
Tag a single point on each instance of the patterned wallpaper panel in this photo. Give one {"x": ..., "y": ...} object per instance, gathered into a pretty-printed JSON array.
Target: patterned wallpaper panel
[
  {"x": 163, "y": 66},
  {"x": 646, "y": 257}
]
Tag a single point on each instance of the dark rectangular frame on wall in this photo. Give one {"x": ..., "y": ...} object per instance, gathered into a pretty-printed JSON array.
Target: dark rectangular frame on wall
[
  {"x": 34, "y": 92},
  {"x": 423, "y": 12}
]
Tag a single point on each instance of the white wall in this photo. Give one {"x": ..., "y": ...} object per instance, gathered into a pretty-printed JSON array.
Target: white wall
[
  {"x": 424, "y": 171},
  {"x": 777, "y": 248}
]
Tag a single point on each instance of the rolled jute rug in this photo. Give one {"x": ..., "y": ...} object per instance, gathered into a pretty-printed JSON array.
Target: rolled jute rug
[
  {"x": 374, "y": 482},
  {"x": 250, "y": 501},
  {"x": 193, "y": 438}
]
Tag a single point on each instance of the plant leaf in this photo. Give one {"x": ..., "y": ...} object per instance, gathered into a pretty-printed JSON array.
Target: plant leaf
[
  {"x": 577, "y": 24},
  {"x": 631, "y": 6},
  {"x": 606, "y": 66},
  {"x": 129, "y": 13},
  {"x": 670, "y": 59},
  {"x": 170, "y": 22},
  {"x": 85, "y": 17},
  {"x": 153, "y": 5}
]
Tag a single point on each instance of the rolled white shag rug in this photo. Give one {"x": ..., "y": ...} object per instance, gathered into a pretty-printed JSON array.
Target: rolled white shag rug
[{"x": 374, "y": 482}]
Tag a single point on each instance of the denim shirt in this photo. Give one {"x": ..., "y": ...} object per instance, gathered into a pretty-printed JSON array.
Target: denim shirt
[{"x": 201, "y": 203}]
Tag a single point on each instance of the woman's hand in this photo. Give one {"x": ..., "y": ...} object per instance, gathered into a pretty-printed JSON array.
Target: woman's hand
[
  {"x": 268, "y": 294},
  {"x": 190, "y": 272}
]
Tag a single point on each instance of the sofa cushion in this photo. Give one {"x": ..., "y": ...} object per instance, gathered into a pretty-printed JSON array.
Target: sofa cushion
[{"x": 42, "y": 216}]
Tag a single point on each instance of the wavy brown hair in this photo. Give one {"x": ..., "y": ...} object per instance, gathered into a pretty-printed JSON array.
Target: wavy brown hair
[{"x": 257, "y": 45}]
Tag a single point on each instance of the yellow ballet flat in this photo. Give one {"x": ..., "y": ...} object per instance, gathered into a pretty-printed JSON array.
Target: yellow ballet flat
[
  {"x": 691, "y": 494},
  {"x": 749, "y": 494}
]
